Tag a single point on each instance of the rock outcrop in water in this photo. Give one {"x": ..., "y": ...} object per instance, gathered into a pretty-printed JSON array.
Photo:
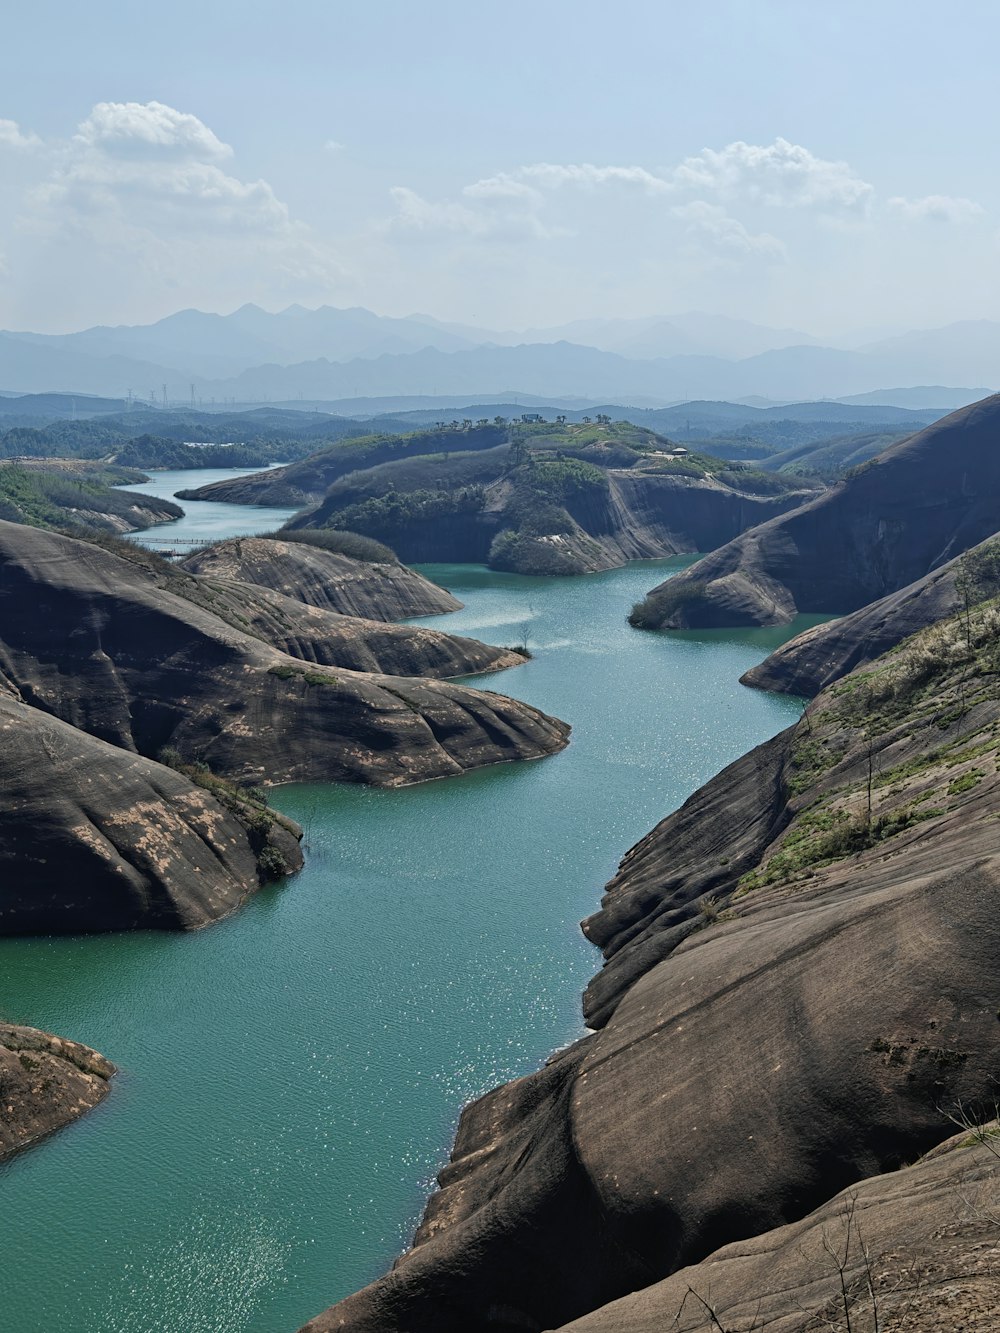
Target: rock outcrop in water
[
  {"x": 326, "y": 579},
  {"x": 94, "y": 838},
  {"x": 45, "y": 1083},
  {"x": 902, "y": 516},
  {"x": 120, "y": 651},
  {"x": 801, "y": 979}
]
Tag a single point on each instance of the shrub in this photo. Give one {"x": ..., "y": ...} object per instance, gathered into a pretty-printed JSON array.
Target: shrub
[
  {"x": 341, "y": 542},
  {"x": 271, "y": 863},
  {"x": 662, "y": 603}
]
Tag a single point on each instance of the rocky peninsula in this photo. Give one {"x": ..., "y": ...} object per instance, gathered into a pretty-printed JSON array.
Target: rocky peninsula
[
  {"x": 45, "y": 1083},
  {"x": 528, "y": 498},
  {"x": 371, "y": 589},
  {"x": 150, "y": 664}
]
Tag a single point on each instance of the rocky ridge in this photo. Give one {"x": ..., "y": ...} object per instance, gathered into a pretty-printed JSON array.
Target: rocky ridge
[{"x": 897, "y": 519}]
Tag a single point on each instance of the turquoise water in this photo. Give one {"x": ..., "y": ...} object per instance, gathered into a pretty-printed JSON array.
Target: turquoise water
[
  {"x": 204, "y": 520},
  {"x": 291, "y": 1077}
]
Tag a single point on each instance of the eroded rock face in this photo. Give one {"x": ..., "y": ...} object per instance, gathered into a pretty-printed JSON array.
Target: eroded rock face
[
  {"x": 918, "y": 1248},
  {"x": 918, "y": 505},
  {"x": 94, "y": 838},
  {"x": 107, "y": 646},
  {"x": 324, "y": 578},
  {"x": 45, "y": 1083},
  {"x": 781, "y": 1015}
]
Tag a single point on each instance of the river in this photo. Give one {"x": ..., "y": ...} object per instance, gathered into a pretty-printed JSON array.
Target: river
[{"x": 290, "y": 1078}]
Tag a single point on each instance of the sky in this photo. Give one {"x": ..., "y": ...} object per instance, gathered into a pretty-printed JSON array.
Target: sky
[{"x": 507, "y": 165}]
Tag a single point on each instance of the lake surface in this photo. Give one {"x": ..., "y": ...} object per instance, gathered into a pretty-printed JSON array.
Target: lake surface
[
  {"x": 204, "y": 520},
  {"x": 291, "y": 1077}
]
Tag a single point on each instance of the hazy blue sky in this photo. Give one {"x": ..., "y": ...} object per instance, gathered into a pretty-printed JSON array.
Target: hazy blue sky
[{"x": 828, "y": 167}]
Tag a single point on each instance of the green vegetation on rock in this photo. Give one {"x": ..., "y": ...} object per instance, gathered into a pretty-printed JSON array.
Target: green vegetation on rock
[{"x": 54, "y": 497}]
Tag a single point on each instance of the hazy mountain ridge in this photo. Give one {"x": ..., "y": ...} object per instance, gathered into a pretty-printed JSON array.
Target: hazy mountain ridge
[{"x": 326, "y": 353}]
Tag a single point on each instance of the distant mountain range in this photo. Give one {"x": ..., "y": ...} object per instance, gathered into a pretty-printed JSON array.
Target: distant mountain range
[{"x": 327, "y": 354}]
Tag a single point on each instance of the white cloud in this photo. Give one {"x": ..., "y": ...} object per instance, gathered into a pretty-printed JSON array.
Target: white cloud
[
  {"x": 781, "y": 174},
  {"x": 150, "y": 130},
  {"x": 151, "y": 167},
  {"x": 333, "y": 147},
  {"x": 416, "y": 213},
  {"x": 140, "y": 191},
  {"x": 499, "y": 208},
  {"x": 502, "y": 186},
  {"x": 12, "y": 136},
  {"x": 158, "y": 196},
  {"x": 937, "y": 208},
  {"x": 586, "y": 174},
  {"x": 727, "y": 232}
]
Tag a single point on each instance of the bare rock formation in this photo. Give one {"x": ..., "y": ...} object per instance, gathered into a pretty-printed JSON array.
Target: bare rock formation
[
  {"x": 900, "y": 517},
  {"x": 334, "y": 582},
  {"x": 94, "y": 838},
  {"x": 45, "y": 1083},
  {"x": 127, "y": 654},
  {"x": 801, "y": 979}
]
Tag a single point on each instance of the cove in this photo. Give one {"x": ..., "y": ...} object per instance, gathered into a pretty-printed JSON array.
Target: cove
[{"x": 291, "y": 1078}]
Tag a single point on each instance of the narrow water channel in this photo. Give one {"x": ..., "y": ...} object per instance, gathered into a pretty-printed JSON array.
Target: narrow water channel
[{"x": 291, "y": 1077}]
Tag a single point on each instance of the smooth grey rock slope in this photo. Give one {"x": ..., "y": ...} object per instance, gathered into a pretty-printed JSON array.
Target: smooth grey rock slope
[
  {"x": 95, "y": 838},
  {"x": 106, "y": 645},
  {"x": 325, "y": 579},
  {"x": 918, "y": 1250},
  {"x": 916, "y": 506}
]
